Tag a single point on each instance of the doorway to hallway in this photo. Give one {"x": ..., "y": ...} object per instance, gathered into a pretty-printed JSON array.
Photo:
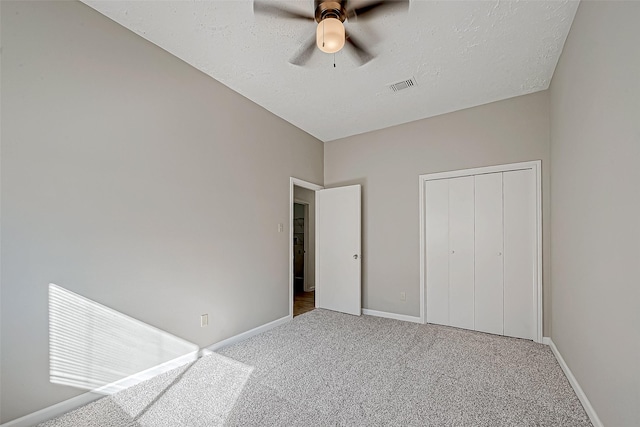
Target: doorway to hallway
[
  {"x": 303, "y": 302},
  {"x": 303, "y": 248}
]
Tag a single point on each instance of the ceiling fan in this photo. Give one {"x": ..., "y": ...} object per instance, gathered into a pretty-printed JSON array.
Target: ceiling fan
[{"x": 330, "y": 16}]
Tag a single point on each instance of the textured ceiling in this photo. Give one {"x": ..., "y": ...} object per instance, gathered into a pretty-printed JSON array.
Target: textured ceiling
[{"x": 460, "y": 53}]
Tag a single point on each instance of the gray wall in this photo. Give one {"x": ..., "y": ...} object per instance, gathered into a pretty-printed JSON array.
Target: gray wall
[
  {"x": 1, "y": 292},
  {"x": 309, "y": 196},
  {"x": 133, "y": 179},
  {"x": 388, "y": 162},
  {"x": 595, "y": 207}
]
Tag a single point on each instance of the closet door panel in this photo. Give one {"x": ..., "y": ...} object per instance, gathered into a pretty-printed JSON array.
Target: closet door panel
[
  {"x": 437, "y": 251},
  {"x": 461, "y": 252},
  {"x": 519, "y": 244},
  {"x": 488, "y": 254}
]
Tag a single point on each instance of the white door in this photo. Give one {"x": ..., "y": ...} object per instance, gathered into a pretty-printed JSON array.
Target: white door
[
  {"x": 480, "y": 249},
  {"x": 461, "y": 292},
  {"x": 338, "y": 234},
  {"x": 437, "y": 250},
  {"x": 519, "y": 244},
  {"x": 489, "y": 254}
]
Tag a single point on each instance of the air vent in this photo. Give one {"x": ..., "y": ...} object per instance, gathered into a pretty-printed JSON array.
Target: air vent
[{"x": 405, "y": 84}]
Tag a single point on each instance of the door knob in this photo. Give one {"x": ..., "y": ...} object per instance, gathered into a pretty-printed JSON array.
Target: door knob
[{"x": 355, "y": 256}]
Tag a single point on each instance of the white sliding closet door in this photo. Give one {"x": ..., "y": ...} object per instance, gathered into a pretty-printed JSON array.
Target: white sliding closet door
[
  {"x": 481, "y": 258},
  {"x": 461, "y": 252},
  {"x": 437, "y": 249},
  {"x": 519, "y": 245},
  {"x": 488, "y": 254}
]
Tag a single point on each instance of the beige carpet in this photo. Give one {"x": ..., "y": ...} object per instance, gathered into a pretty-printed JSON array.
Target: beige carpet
[{"x": 325, "y": 368}]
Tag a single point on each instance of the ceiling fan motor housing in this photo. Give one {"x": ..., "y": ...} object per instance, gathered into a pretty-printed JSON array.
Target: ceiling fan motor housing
[{"x": 331, "y": 9}]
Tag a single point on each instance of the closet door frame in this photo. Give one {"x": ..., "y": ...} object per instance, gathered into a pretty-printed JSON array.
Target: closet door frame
[{"x": 535, "y": 166}]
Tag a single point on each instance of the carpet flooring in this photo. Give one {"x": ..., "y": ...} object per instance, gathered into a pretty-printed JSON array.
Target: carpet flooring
[{"x": 325, "y": 369}]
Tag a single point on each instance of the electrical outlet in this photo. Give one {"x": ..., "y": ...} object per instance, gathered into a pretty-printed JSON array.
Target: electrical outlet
[
  {"x": 403, "y": 296},
  {"x": 280, "y": 228},
  {"x": 204, "y": 320}
]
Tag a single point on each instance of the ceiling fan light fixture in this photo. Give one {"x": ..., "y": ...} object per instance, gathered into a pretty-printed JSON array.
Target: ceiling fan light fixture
[{"x": 330, "y": 35}]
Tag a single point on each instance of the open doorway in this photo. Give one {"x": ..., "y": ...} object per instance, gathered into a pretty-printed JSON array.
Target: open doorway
[
  {"x": 303, "y": 251},
  {"x": 334, "y": 261},
  {"x": 302, "y": 247},
  {"x": 304, "y": 299}
]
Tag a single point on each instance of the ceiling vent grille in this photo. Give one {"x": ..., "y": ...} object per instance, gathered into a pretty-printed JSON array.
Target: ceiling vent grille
[{"x": 405, "y": 84}]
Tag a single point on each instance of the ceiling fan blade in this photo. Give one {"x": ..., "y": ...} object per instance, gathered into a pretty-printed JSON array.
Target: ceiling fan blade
[
  {"x": 302, "y": 56},
  {"x": 378, "y": 6},
  {"x": 263, "y": 8},
  {"x": 363, "y": 55}
]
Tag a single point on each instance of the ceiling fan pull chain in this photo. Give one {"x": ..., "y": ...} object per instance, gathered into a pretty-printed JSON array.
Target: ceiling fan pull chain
[{"x": 334, "y": 60}]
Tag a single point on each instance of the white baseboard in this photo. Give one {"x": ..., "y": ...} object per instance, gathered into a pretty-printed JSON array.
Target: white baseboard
[
  {"x": 574, "y": 383},
  {"x": 63, "y": 407},
  {"x": 54, "y": 411},
  {"x": 147, "y": 374},
  {"x": 245, "y": 335},
  {"x": 395, "y": 316}
]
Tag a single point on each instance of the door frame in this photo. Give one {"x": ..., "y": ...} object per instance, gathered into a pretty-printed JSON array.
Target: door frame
[
  {"x": 309, "y": 186},
  {"x": 535, "y": 165}
]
